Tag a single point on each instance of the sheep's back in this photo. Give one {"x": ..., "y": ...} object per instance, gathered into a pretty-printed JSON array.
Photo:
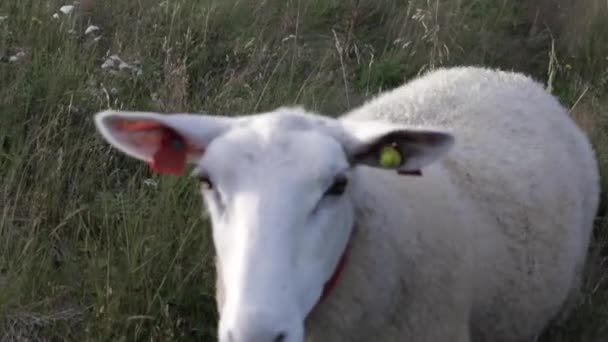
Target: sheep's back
[{"x": 528, "y": 175}]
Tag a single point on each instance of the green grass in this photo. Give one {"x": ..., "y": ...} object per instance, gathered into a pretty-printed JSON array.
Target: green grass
[{"x": 95, "y": 247}]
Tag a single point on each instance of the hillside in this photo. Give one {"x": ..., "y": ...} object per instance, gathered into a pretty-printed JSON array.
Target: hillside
[{"x": 95, "y": 247}]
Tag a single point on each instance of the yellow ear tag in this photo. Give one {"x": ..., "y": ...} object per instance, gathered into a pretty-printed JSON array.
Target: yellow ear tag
[{"x": 390, "y": 156}]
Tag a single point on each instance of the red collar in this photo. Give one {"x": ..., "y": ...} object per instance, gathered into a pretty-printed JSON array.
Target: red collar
[{"x": 333, "y": 280}]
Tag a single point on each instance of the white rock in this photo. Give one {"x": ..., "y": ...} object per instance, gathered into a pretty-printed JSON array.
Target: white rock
[
  {"x": 116, "y": 59},
  {"x": 18, "y": 56},
  {"x": 67, "y": 9},
  {"x": 150, "y": 182},
  {"x": 123, "y": 66},
  {"x": 91, "y": 29},
  {"x": 108, "y": 64},
  {"x": 114, "y": 62}
]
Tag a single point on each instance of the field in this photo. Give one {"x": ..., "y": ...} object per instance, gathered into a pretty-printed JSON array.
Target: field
[{"x": 95, "y": 247}]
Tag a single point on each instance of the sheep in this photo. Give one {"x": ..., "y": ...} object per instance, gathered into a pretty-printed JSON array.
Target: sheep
[{"x": 456, "y": 207}]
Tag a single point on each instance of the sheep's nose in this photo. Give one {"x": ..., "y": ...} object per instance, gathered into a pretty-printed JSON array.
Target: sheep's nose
[
  {"x": 280, "y": 337},
  {"x": 255, "y": 326}
]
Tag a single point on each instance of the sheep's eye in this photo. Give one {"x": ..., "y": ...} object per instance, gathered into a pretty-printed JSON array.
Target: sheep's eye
[
  {"x": 205, "y": 182},
  {"x": 338, "y": 187}
]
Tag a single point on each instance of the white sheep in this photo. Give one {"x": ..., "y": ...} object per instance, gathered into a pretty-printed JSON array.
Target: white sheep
[{"x": 457, "y": 207}]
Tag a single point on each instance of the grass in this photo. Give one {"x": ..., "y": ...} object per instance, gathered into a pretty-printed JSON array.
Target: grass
[{"x": 94, "y": 247}]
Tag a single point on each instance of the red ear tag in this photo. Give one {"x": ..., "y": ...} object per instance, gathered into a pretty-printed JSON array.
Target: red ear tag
[{"x": 170, "y": 158}]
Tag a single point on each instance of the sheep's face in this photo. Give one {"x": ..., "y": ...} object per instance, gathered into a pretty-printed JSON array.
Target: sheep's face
[
  {"x": 278, "y": 190},
  {"x": 281, "y": 216}
]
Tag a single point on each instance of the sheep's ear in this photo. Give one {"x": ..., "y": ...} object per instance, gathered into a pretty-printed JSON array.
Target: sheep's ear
[
  {"x": 406, "y": 150},
  {"x": 166, "y": 141}
]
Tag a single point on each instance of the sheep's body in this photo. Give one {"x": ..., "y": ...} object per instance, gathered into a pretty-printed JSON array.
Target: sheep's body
[{"x": 489, "y": 243}]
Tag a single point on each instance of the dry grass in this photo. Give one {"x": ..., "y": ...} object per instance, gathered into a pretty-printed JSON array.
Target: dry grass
[{"x": 93, "y": 246}]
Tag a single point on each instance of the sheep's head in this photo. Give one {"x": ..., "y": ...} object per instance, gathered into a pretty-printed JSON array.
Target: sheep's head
[{"x": 278, "y": 188}]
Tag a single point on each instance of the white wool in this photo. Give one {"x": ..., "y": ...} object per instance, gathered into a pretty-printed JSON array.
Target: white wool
[{"x": 493, "y": 237}]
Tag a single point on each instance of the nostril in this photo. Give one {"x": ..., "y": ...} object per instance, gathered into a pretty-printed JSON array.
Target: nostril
[{"x": 280, "y": 337}]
